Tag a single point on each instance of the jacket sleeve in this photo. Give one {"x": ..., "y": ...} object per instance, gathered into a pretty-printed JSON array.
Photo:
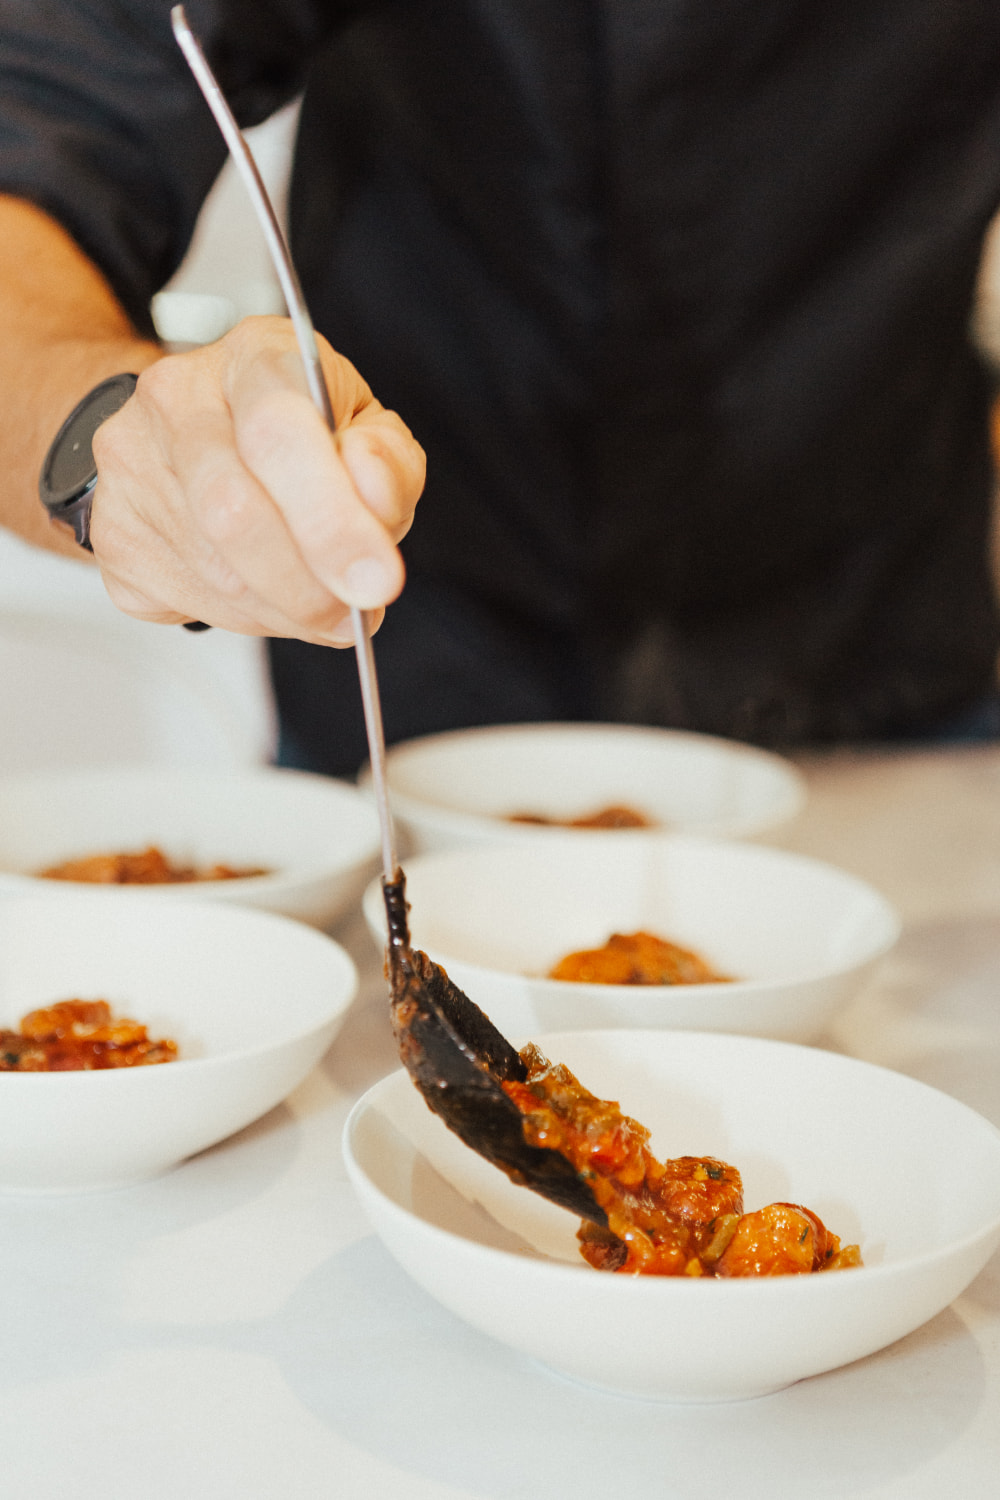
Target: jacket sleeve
[{"x": 103, "y": 126}]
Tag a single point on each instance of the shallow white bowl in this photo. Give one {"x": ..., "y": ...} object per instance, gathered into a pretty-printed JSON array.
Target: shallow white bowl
[
  {"x": 253, "y": 1001},
  {"x": 800, "y": 936},
  {"x": 318, "y": 837},
  {"x": 909, "y": 1173},
  {"x": 462, "y": 787}
]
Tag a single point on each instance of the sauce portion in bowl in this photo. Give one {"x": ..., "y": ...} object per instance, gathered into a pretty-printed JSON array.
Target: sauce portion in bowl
[
  {"x": 636, "y": 958},
  {"x": 606, "y": 817},
  {"x": 681, "y": 1217},
  {"x": 145, "y": 867},
  {"x": 75, "y": 1036}
]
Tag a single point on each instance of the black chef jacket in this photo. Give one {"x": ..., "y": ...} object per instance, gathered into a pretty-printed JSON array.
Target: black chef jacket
[{"x": 675, "y": 294}]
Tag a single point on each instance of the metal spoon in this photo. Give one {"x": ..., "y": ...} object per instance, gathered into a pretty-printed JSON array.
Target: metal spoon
[
  {"x": 299, "y": 314},
  {"x": 453, "y": 1052}
]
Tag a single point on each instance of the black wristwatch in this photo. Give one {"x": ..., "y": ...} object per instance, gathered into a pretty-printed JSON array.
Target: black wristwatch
[{"x": 69, "y": 473}]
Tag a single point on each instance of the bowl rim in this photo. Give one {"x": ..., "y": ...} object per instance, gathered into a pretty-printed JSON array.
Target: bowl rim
[
  {"x": 236, "y": 779},
  {"x": 889, "y": 916},
  {"x": 304, "y": 934},
  {"x": 794, "y": 784},
  {"x": 544, "y": 1266}
]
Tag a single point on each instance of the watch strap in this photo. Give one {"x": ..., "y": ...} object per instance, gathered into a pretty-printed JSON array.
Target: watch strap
[{"x": 76, "y": 515}]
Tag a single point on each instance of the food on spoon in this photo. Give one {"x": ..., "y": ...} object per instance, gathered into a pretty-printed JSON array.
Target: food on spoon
[
  {"x": 79, "y": 1036},
  {"x": 145, "y": 867},
  {"x": 605, "y": 817},
  {"x": 636, "y": 958},
  {"x": 676, "y": 1218}
]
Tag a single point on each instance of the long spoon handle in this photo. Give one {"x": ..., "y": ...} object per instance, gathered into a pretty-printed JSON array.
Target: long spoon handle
[{"x": 305, "y": 333}]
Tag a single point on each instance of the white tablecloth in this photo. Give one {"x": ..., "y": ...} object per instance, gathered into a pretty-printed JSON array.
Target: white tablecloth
[{"x": 233, "y": 1331}]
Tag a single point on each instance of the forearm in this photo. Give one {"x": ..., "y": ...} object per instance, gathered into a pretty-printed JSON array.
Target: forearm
[{"x": 61, "y": 332}]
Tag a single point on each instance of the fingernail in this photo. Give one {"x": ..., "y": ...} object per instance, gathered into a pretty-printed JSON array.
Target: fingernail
[{"x": 366, "y": 583}]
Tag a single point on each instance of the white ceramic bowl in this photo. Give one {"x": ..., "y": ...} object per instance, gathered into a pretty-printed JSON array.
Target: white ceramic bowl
[
  {"x": 907, "y": 1172},
  {"x": 318, "y": 837},
  {"x": 799, "y": 936},
  {"x": 462, "y": 787},
  {"x": 253, "y": 1001}
]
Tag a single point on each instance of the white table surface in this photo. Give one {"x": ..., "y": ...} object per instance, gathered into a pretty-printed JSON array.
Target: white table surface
[{"x": 234, "y": 1331}]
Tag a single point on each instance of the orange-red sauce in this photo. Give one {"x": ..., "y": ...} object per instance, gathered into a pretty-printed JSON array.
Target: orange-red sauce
[
  {"x": 79, "y": 1035},
  {"x": 145, "y": 867},
  {"x": 605, "y": 817},
  {"x": 676, "y": 1218},
  {"x": 636, "y": 958}
]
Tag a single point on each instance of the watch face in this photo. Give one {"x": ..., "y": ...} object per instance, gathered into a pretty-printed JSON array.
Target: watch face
[{"x": 69, "y": 469}]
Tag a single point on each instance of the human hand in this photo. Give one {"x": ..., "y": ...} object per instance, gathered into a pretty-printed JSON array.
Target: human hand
[{"x": 222, "y": 495}]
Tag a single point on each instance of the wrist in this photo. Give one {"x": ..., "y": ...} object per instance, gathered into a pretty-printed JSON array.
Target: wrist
[{"x": 53, "y": 379}]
